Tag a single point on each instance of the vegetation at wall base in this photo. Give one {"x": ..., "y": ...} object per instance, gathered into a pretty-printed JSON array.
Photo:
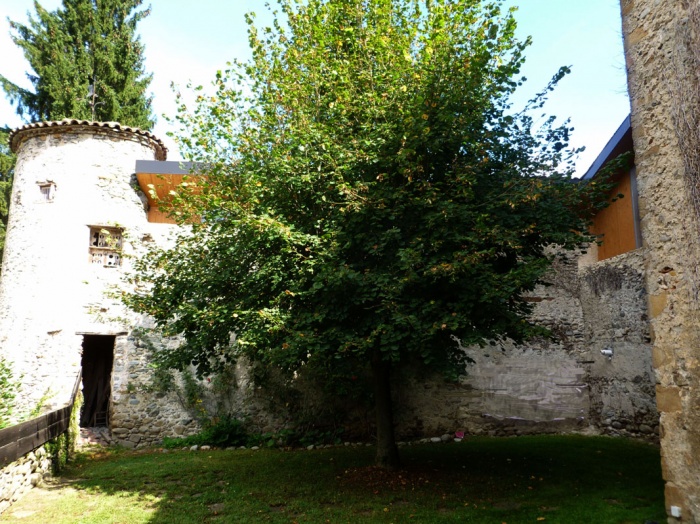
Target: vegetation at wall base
[
  {"x": 544, "y": 479},
  {"x": 62, "y": 449},
  {"x": 9, "y": 387},
  {"x": 226, "y": 432}
]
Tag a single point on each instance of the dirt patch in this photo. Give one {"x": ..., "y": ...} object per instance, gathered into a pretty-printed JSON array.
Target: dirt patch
[
  {"x": 381, "y": 480},
  {"x": 31, "y": 508}
]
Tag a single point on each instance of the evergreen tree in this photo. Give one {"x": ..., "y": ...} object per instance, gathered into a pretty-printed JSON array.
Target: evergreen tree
[
  {"x": 7, "y": 165},
  {"x": 87, "y": 63}
]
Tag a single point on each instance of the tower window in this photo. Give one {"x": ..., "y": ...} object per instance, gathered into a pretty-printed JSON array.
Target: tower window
[
  {"x": 47, "y": 190},
  {"x": 105, "y": 246}
]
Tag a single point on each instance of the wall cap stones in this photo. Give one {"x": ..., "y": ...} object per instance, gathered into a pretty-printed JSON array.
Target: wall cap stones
[{"x": 21, "y": 134}]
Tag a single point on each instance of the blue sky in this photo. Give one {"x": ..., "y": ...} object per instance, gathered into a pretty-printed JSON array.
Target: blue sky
[{"x": 187, "y": 40}]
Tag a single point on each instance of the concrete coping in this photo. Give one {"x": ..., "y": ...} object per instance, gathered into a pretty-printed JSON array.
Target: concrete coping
[{"x": 19, "y": 135}]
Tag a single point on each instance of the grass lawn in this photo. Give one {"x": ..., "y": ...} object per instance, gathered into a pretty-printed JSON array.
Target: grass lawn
[{"x": 553, "y": 479}]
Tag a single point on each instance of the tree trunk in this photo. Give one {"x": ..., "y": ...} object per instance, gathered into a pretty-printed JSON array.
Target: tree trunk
[{"x": 387, "y": 451}]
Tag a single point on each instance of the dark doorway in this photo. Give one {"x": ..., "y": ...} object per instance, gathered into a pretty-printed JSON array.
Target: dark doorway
[{"x": 98, "y": 356}]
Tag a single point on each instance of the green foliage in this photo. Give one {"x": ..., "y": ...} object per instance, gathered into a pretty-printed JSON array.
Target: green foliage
[
  {"x": 191, "y": 393},
  {"x": 58, "y": 450},
  {"x": 7, "y": 165},
  {"x": 299, "y": 437},
  {"x": 204, "y": 401},
  {"x": 230, "y": 432},
  {"x": 369, "y": 197},
  {"x": 317, "y": 437},
  {"x": 73, "y": 432},
  {"x": 222, "y": 432},
  {"x": 9, "y": 388},
  {"x": 39, "y": 406},
  {"x": 8, "y": 393},
  {"x": 62, "y": 448},
  {"x": 86, "y": 62}
]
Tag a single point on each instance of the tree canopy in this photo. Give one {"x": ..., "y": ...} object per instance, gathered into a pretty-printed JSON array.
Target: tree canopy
[
  {"x": 86, "y": 63},
  {"x": 369, "y": 196}
]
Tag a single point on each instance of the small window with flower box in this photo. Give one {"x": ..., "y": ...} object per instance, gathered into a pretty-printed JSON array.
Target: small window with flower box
[{"x": 105, "y": 246}]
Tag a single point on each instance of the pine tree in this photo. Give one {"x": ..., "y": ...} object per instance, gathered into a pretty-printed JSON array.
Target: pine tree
[
  {"x": 87, "y": 63},
  {"x": 7, "y": 165}
]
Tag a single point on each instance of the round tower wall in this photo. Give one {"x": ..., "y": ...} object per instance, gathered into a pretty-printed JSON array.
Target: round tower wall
[{"x": 68, "y": 178}]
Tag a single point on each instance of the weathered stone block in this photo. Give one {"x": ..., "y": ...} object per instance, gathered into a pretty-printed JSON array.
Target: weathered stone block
[
  {"x": 675, "y": 497},
  {"x": 668, "y": 399},
  {"x": 657, "y": 304}
]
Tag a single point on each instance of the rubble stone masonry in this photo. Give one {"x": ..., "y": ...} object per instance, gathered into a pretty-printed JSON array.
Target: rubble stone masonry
[
  {"x": 654, "y": 56},
  {"x": 555, "y": 385}
]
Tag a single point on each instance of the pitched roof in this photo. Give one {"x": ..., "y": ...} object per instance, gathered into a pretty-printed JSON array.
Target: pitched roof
[{"x": 620, "y": 142}]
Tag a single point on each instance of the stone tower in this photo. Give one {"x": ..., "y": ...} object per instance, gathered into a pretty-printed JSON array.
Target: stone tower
[{"x": 75, "y": 212}]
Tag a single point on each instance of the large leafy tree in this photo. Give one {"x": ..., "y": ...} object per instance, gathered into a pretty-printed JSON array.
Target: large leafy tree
[
  {"x": 86, "y": 63},
  {"x": 369, "y": 201}
]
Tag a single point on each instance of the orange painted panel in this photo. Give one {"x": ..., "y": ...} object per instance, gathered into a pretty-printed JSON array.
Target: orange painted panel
[
  {"x": 157, "y": 188},
  {"x": 157, "y": 216},
  {"x": 161, "y": 185},
  {"x": 616, "y": 222}
]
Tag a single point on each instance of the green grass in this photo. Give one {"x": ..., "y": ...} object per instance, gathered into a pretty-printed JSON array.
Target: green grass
[{"x": 572, "y": 480}]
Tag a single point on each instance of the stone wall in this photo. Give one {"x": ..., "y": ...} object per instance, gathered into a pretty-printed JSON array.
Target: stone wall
[
  {"x": 660, "y": 67},
  {"x": 614, "y": 303},
  {"x": 140, "y": 416},
  {"x": 51, "y": 298},
  {"x": 559, "y": 385},
  {"x": 545, "y": 386},
  {"x": 143, "y": 411},
  {"x": 22, "y": 475}
]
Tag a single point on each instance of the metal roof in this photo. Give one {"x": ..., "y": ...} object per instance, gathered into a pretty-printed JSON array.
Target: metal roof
[
  {"x": 170, "y": 167},
  {"x": 620, "y": 142}
]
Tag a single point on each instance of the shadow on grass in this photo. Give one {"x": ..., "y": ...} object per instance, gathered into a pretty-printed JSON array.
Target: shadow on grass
[{"x": 526, "y": 479}]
